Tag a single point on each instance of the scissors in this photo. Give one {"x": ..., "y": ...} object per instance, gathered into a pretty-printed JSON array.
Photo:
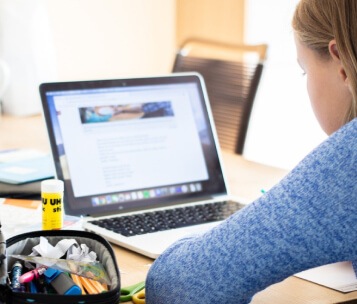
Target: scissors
[
  {"x": 127, "y": 293},
  {"x": 139, "y": 298}
]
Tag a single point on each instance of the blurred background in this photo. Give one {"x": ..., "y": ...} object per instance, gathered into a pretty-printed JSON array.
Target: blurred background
[{"x": 63, "y": 40}]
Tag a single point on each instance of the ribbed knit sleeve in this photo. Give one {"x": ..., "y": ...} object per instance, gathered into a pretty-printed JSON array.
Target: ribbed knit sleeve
[{"x": 307, "y": 220}]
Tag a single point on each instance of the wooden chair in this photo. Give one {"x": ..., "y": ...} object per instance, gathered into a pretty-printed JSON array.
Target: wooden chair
[{"x": 232, "y": 74}]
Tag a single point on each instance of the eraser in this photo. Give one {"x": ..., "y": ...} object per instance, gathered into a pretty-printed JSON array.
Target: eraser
[{"x": 62, "y": 283}]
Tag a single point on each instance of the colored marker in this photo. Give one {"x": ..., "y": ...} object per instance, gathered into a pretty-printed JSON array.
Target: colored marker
[{"x": 33, "y": 274}]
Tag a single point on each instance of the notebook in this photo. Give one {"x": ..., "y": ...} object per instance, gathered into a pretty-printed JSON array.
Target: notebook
[
  {"x": 139, "y": 158},
  {"x": 23, "y": 166}
]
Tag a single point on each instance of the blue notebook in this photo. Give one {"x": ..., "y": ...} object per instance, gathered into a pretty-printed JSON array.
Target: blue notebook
[{"x": 27, "y": 170}]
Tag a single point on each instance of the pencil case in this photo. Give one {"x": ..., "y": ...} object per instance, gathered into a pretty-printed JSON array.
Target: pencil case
[{"x": 22, "y": 245}]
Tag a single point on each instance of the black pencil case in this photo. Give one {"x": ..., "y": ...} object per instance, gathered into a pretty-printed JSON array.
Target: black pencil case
[{"x": 22, "y": 245}]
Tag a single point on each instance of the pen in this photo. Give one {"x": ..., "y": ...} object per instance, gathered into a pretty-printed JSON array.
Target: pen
[{"x": 33, "y": 287}]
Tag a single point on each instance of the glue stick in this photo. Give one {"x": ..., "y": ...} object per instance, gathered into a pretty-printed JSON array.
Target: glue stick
[{"x": 52, "y": 204}]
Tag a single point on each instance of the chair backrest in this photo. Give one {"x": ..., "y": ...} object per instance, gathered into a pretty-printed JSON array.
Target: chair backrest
[{"x": 232, "y": 74}]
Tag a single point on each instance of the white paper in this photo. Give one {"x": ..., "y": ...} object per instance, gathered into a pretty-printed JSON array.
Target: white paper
[{"x": 339, "y": 276}]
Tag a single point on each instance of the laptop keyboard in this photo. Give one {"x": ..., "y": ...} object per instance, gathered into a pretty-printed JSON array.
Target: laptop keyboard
[{"x": 169, "y": 219}]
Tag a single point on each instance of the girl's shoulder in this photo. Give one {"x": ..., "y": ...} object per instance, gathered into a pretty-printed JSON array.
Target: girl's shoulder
[{"x": 346, "y": 134}]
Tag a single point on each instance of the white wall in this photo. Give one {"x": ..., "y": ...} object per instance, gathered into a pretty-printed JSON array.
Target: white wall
[
  {"x": 26, "y": 47},
  {"x": 61, "y": 40},
  {"x": 283, "y": 128},
  {"x": 112, "y": 38}
]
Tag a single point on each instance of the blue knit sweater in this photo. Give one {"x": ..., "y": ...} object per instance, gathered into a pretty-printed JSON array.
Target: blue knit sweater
[{"x": 307, "y": 220}]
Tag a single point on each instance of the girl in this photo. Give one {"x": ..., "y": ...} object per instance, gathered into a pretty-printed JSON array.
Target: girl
[{"x": 307, "y": 220}]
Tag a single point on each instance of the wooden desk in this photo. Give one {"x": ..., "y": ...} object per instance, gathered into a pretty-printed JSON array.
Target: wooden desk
[{"x": 245, "y": 178}]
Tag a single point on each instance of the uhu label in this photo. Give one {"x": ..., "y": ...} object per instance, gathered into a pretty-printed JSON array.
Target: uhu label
[{"x": 52, "y": 211}]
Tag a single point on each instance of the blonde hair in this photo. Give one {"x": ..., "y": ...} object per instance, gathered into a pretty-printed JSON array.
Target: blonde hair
[{"x": 317, "y": 22}]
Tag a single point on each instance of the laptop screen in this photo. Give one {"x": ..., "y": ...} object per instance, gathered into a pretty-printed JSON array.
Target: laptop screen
[{"x": 129, "y": 144}]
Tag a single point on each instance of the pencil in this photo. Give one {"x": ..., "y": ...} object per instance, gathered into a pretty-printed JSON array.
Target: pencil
[
  {"x": 78, "y": 282},
  {"x": 87, "y": 285},
  {"x": 99, "y": 287},
  {"x": 105, "y": 286}
]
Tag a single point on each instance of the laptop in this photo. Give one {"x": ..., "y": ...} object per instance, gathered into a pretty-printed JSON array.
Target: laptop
[{"x": 139, "y": 158}]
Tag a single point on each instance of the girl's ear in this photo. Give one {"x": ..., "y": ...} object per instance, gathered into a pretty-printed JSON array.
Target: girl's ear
[{"x": 332, "y": 47}]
